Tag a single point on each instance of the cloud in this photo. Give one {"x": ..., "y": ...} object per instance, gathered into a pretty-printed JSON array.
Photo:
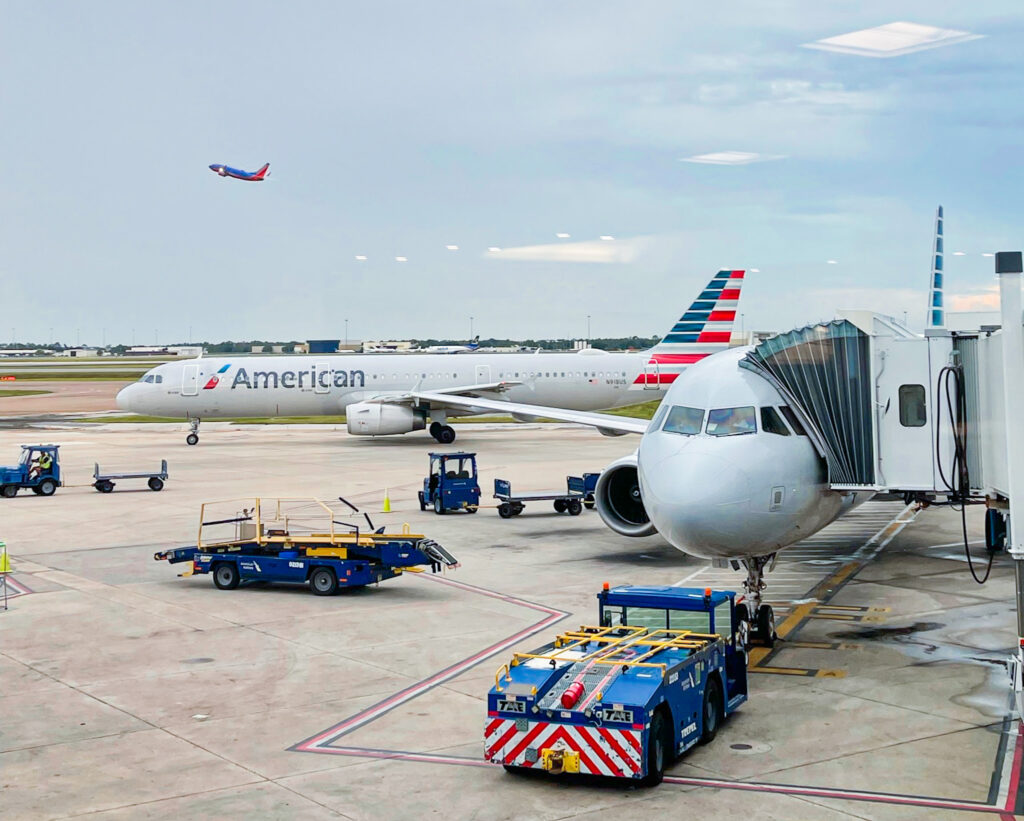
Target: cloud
[
  {"x": 984, "y": 299},
  {"x": 732, "y": 158},
  {"x": 602, "y": 251}
]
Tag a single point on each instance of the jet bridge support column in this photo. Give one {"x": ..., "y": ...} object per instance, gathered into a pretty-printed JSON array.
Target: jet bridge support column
[{"x": 1009, "y": 268}]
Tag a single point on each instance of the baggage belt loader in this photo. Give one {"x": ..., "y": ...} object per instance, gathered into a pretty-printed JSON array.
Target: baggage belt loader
[
  {"x": 659, "y": 674},
  {"x": 297, "y": 543}
]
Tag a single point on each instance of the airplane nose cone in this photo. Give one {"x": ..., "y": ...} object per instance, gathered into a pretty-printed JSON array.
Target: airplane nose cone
[
  {"x": 700, "y": 502},
  {"x": 127, "y": 397},
  {"x": 215, "y": 168}
]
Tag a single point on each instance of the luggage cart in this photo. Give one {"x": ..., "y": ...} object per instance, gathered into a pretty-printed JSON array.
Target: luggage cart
[
  {"x": 568, "y": 501},
  {"x": 104, "y": 482}
]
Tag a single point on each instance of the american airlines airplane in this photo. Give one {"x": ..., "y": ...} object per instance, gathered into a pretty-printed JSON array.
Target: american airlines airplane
[
  {"x": 725, "y": 470},
  {"x": 385, "y": 394}
]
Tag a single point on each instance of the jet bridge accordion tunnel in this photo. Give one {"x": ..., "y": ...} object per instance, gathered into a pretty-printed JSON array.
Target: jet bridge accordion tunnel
[{"x": 889, "y": 410}]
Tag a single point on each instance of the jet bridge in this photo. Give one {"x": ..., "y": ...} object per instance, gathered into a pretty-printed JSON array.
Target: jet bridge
[
  {"x": 866, "y": 389},
  {"x": 928, "y": 416}
]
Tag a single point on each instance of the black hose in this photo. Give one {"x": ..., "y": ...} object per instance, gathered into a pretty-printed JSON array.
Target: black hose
[{"x": 959, "y": 483}]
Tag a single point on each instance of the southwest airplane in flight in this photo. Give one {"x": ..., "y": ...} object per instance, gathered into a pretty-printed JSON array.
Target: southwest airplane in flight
[
  {"x": 385, "y": 394},
  {"x": 238, "y": 174}
]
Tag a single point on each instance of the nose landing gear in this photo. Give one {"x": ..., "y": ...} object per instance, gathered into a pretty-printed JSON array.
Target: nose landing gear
[
  {"x": 193, "y": 436},
  {"x": 760, "y": 616}
]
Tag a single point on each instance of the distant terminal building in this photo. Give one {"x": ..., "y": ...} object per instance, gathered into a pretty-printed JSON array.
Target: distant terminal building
[
  {"x": 166, "y": 350},
  {"x": 387, "y": 346},
  {"x": 323, "y": 345}
]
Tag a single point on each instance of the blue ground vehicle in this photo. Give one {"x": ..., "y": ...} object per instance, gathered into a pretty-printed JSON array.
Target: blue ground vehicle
[
  {"x": 38, "y": 469},
  {"x": 282, "y": 547},
  {"x": 658, "y": 675},
  {"x": 452, "y": 483}
]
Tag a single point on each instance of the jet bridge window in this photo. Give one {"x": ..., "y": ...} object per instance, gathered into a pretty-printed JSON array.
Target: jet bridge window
[
  {"x": 771, "y": 422},
  {"x": 913, "y": 413},
  {"x": 686, "y": 421},
  {"x": 732, "y": 421}
]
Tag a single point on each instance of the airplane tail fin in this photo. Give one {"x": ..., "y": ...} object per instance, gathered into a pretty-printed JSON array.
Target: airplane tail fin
[
  {"x": 705, "y": 328},
  {"x": 263, "y": 173},
  {"x": 474, "y": 343},
  {"x": 936, "y": 314}
]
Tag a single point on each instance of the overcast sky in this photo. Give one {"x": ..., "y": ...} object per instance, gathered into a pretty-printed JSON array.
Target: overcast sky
[{"x": 397, "y": 128}]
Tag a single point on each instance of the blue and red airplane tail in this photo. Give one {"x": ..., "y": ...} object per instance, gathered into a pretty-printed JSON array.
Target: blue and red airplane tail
[
  {"x": 263, "y": 173},
  {"x": 705, "y": 328}
]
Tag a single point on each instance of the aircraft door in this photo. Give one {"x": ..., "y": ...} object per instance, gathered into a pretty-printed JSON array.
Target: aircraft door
[
  {"x": 652, "y": 376},
  {"x": 322, "y": 377},
  {"x": 483, "y": 374},
  {"x": 190, "y": 379}
]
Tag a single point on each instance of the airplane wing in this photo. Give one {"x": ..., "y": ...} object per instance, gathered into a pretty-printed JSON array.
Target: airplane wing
[{"x": 605, "y": 422}]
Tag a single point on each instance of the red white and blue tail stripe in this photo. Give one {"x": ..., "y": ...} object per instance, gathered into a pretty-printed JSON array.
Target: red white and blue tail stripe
[{"x": 704, "y": 329}]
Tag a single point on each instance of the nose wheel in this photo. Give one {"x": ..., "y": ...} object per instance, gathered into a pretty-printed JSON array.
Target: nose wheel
[
  {"x": 193, "y": 436},
  {"x": 760, "y": 616}
]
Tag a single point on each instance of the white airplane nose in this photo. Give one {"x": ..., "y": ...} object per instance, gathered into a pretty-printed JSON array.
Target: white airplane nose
[
  {"x": 699, "y": 501},
  {"x": 127, "y": 397}
]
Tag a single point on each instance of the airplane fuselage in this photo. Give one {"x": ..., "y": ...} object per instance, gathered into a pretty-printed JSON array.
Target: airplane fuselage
[{"x": 225, "y": 387}]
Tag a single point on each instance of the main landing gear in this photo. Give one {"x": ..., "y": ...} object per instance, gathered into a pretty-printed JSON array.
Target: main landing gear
[
  {"x": 445, "y": 434},
  {"x": 193, "y": 436},
  {"x": 759, "y": 618}
]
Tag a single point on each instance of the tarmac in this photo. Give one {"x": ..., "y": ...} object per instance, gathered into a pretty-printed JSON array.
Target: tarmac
[{"x": 128, "y": 692}]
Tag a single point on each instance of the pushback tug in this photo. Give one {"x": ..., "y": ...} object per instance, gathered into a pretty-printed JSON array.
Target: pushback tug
[{"x": 658, "y": 675}]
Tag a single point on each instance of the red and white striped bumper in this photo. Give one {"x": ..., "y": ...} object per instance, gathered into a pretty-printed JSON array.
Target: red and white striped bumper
[{"x": 602, "y": 751}]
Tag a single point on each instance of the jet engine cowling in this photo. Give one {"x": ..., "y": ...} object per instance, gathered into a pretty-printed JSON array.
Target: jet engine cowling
[
  {"x": 618, "y": 500},
  {"x": 381, "y": 419}
]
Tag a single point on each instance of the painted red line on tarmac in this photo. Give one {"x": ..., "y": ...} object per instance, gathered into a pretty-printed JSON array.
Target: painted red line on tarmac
[
  {"x": 17, "y": 587},
  {"x": 328, "y": 736}
]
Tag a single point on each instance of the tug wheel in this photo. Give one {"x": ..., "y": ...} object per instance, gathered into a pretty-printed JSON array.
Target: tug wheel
[
  {"x": 712, "y": 714},
  {"x": 47, "y": 487},
  {"x": 9, "y": 491},
  {"x": 657, "y": 750}
]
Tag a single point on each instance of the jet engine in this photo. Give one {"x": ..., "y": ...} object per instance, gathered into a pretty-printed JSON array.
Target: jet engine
[
  {"x": 618, "y": 500},
  {"x": 380, "y": 419}
]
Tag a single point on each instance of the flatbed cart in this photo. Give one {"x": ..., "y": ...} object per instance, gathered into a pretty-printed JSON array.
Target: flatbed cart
[
  {"x": 295, "y": 541},
  {"x": 657, "y": 675},
  {"x": 570, "y": 501},
  {"x": 104, "y": 482}
]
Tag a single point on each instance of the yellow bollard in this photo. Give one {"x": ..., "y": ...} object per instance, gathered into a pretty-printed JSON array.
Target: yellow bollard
[
  {"x": 5, "y": 562},
  {"x": 387, "y": 502}
]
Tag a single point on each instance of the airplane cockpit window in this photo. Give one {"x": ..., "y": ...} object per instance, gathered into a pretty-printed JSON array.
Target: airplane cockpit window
[
  {"x": 732, "y": 421},
  {"x": 794, "y": 422},
  {"x": 148, "y": 377},
  {"x": 658, "y": 418},
  {"x": 771, "y": 422},
  {"x": 686, "y": 421},
  {"x": 158, "y": 379}
]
